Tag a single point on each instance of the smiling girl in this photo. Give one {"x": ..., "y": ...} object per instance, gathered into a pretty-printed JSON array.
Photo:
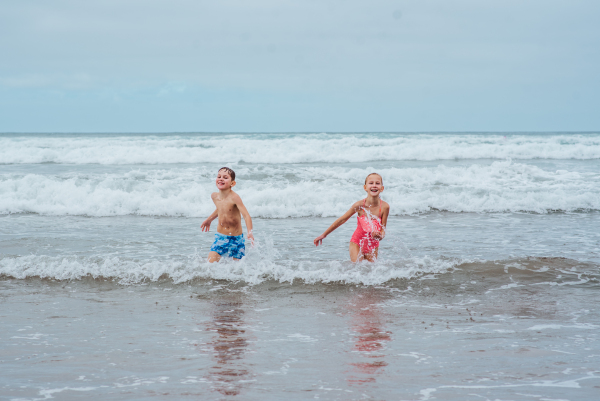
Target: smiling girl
[{"x": 372, "y": 218}]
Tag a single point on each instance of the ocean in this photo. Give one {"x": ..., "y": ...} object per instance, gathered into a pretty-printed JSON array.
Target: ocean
[{"x": 486, "y": 286}]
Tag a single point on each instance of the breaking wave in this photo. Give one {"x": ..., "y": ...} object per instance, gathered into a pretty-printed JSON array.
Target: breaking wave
[
  {"x": 281, "y": 191},
  {"x": 262, "y": 263}
]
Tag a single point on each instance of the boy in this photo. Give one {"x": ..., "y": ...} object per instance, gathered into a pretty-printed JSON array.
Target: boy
[{"x": 229, "y": 240}]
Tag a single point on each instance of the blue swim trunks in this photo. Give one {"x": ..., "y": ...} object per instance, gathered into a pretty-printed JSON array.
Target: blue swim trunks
[{"x": 229, "y": 245}]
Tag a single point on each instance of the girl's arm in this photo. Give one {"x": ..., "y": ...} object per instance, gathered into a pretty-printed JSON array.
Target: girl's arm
[
  {"x": 379, "y": 235},
  {"x": 319, "y": 240},
  {"x": 206, "y": 223}
]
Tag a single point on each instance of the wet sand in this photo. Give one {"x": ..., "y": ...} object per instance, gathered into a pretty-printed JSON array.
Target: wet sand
[{"x": 487, "y": 331}]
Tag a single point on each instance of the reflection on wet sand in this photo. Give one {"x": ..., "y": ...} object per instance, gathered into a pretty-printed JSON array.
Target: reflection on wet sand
[
  {"x": 229, "y": 345},
  {"x": 368, "y": 324}
]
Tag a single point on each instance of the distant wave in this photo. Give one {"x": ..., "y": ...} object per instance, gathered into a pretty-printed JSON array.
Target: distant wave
[
  {"x": 280, "y": 191},
  {"x": 278, "y": 149}
]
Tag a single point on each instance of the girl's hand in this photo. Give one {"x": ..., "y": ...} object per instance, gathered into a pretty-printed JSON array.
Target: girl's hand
[
  {"x": 319, "y": 240},
  {"x": 205, "y": 226},
  {"x": 378, "y": 235}
]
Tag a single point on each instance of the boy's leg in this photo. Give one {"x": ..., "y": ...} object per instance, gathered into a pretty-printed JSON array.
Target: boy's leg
[
  {"x": 218, "y": 248},
  {"x": 238, "y": 248},
  {"x": 213, "y": 257}
]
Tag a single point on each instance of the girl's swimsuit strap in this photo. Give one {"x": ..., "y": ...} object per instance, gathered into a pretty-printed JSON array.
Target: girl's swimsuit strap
[{"x": 365, "y": 202}]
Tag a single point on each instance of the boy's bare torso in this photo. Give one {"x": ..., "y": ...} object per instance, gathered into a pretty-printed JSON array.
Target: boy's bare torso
[{"x": 230, "y": 218}]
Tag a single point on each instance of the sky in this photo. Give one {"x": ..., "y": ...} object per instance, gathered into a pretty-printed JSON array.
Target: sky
[{"x": 299, "y": 66}]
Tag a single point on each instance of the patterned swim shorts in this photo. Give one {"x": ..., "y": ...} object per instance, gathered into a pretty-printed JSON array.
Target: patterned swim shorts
[{"x": 229, "y": 245}]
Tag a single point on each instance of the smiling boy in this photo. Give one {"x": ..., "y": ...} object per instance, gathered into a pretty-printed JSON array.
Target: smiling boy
[{"x": 229, "y": 240}]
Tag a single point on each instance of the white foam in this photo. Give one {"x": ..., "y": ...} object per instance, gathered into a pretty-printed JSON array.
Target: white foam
[
  {"x": 49, "y": 393},
  {"x": 295, "y": 191},
  {"x": 572, "y": 383},
  {"x": 261, "y": 263},
  {"x": 585, "y": 326},
  {"x": 272, "y": 148}
]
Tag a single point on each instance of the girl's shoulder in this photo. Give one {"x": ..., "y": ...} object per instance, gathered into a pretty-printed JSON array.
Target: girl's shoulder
[{"x": 358, "y": 204}]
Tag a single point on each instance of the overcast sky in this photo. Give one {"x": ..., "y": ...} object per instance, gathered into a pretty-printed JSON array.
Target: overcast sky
[{"x": 304, "y": 65}]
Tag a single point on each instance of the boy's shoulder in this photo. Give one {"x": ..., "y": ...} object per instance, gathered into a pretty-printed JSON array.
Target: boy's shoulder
[
  {"x": 234, "y": 196},
  {"x": 231, "y": 197}
]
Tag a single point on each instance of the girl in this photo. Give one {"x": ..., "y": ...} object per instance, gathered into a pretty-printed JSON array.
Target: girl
[{"x": 372, "y": 218}]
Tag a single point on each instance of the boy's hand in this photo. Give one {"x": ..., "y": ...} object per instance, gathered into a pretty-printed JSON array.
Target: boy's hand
[
  {"x": 251, "y": 238},
  {"x": 319, "y": 240},
  {"x": 205, "y": 225}
]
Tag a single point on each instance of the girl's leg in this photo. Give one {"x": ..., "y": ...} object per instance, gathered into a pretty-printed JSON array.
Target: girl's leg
[
  {"x": 371, "y": 256},
  {"x": 355, "y": 253},
  {"x": 213, "y": 257}
]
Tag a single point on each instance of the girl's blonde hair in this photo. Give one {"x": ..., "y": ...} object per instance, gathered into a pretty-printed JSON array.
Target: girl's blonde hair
[{"x": 374, "y": 174}]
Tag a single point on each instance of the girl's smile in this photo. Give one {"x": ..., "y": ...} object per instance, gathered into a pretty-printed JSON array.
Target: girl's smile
[{"x": 374, "y": 186}]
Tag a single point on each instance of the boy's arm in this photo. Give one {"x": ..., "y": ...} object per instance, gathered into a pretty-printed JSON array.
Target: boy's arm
[
  {"x": 205, "y": 226},
  {"x": 246, "y": 216},
  {"x": 344, "y": 218}
]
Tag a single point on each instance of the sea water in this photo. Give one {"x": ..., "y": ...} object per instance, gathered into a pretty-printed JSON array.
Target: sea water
[{"x": 486, "y": 286}]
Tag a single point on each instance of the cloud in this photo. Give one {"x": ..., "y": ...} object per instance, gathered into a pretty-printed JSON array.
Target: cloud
[
  {"x": 77, "y": 81},
  {"x": 26, "y": 81},
  {"x": 172, "y": 88},
  {"x": 449, "y": 59}
]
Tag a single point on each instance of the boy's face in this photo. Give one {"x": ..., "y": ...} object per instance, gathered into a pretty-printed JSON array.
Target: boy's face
[
  {"x": 374, "y": 186},
  {"x": 224, "y": 180}
]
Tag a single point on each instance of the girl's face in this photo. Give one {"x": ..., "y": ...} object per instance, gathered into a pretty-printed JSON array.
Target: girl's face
[
  {"x": 224, "y": 180},
  {"x": 374, "y": 186}
]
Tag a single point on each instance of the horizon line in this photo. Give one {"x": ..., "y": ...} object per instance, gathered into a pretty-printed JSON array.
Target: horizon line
[{"x": 299, "y": 132}]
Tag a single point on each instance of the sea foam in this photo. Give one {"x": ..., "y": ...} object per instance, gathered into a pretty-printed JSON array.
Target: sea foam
[{"x": 262, "y": 263}]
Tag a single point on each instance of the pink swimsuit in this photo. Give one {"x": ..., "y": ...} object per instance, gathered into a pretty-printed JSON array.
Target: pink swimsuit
[{"x": 362, "y": 236}]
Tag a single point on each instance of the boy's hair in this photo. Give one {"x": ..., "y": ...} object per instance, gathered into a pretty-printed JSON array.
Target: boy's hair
[
  {"x": 374, "y": 174},
  {"x": 229, "y": 171}
]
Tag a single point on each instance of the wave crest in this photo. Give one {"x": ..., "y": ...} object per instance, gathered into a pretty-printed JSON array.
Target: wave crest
[
  {"x": 281, "y": 192},
  {"x": 285, "y": 149}
]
